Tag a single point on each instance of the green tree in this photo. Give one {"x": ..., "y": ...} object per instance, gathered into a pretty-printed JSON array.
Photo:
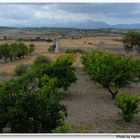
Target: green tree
[
  {"x": 110, "y": 70},
  {"x": 5, "y": 52},
  {"x": 131, "y": 41},
  {"x": 22, "y": 50},
  {"x": 30, "y": 112},
  {"x": 31, "y": 48}
]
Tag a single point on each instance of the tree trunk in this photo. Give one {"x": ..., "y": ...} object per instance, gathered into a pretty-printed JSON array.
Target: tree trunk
[
  {"x": 5, "y": 60},
  {"x": 11, "y": 59},
  {"x": 113, "y": 93}
]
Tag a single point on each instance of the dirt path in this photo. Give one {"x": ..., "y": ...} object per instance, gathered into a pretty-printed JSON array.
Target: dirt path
[{"x": 91, "y": 109}]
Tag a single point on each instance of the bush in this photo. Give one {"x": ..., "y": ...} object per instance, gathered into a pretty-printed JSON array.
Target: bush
[
  {"x": 41, "y": 60},
  {"x": 70, "y": 58},
  {"x": 128, "y": 105},
  {"x": 49, "y": 40},
  {"x": 52, "y": 48},
  {"x": 110, "y": 70},
  {"x": 62, "y": 129},
  {"x": 21, "y": 69},
  {"x": 74, "y": 51}
]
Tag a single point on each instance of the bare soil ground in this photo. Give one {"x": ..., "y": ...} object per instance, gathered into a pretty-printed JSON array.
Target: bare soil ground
[{"x": 91, "y": 109}]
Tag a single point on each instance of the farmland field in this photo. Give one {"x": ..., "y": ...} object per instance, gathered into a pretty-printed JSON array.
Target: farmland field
[{"x": 90, "y": 108}]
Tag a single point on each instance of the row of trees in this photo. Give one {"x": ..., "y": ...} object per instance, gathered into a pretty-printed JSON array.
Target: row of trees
[
  {"x": 15, "y": 51},
  {"x": 31, "y": 103}
]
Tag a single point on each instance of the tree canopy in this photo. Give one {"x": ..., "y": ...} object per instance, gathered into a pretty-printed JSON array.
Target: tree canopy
[{"x": 110, "y": 70}]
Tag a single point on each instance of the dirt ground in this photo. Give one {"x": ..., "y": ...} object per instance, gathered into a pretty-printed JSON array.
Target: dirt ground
[{"x": 91, "y": 109}]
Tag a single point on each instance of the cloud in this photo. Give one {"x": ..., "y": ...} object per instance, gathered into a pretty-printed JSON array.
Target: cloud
[
  {"x": 61, "y": 14},
  {"x": 52, "y": 14}
]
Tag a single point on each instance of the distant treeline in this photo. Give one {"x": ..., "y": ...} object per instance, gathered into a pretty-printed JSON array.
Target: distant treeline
[
  {"x": 15, "y": 51},
  {"x": 35, "y": 39}
]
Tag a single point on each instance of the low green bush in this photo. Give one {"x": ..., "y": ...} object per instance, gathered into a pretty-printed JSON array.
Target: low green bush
[
  {"x": 41, "y": 60},
  {"x": 128, "y": 105},
  {"x": 21, "y": 69},
  {"x": 62, "y": 129}
]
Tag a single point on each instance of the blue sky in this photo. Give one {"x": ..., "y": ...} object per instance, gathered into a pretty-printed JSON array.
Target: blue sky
[{"x": 62, "y": 14}]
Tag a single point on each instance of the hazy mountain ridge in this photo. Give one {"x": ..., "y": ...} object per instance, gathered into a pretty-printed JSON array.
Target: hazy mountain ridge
[{"x": 85, "y": 25}]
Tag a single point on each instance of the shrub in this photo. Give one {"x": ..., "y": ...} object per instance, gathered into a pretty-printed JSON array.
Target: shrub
[
  {"x": 77, "y": 50},
  {"x": 128, "y": 105},
  {"x": 41, "y": 60},
  {"x": 110, "y": 70},
  {"x": 52, "y": 48},
  {"x": 62, "y": 129},
  {"x": 70, "y": 58},
  {"x": 21, "y": 69},
  {"x": 49, "y": 40}
]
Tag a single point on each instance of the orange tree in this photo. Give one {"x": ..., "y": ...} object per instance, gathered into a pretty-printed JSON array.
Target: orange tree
[{"x": 110, "y": 70}]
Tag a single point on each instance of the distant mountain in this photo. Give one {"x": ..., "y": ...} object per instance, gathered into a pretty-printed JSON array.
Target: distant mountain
[
  {"x": 127, "y": 26},
  {"x": 99, "y": 24},
  {"x": 84, "y": 25},
  {"x": 90, "y": 25}
]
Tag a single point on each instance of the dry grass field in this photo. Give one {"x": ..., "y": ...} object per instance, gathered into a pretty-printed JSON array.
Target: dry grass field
[
  {"x": 91, "y": 42},
  {"x": 42, "y": 49}
]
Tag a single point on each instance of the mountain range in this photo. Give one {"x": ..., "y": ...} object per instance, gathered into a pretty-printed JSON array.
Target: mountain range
[
  {"x": 100, "y": 24},
  {"x": 84, "y": 25}
]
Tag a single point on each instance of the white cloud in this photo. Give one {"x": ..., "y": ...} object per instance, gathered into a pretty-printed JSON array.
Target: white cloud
[{"x": 58, "y": 15}]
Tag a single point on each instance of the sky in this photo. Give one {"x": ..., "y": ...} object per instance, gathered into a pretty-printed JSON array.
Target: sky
[{"x": 55, "y": 15}]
